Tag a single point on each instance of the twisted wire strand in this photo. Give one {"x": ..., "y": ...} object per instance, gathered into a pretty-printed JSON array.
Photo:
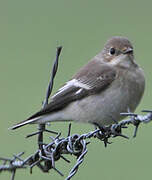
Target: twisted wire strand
[
  {"x": 47, "y": 154},
  {"x": 73, "y": 145}
]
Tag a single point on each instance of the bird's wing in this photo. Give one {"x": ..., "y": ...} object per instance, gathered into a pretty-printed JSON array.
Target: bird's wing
[{"x": 91, "y": 79}]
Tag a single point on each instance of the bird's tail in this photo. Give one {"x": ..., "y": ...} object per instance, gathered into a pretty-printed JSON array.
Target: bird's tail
[{"x": 23, "y": 123}]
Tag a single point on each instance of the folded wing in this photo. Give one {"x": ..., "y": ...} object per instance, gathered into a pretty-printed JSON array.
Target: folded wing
[{"x": 91, "y": 79}]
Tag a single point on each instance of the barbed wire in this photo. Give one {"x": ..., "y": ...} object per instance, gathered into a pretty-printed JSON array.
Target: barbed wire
[{"x": 48, "y": 153}]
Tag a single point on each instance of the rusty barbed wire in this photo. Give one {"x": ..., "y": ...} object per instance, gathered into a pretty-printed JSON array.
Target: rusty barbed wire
[{"x": 47, "y": 154}]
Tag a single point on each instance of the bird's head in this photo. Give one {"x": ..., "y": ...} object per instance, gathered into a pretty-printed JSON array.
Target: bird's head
[{"x": 118, "y": 51}]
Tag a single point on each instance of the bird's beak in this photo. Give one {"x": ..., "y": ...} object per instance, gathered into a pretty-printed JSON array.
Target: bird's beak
[{"x": 128, "y": 50}]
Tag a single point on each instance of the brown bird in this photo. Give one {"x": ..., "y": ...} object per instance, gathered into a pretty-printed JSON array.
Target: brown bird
[{"x": 111, "y": 83}]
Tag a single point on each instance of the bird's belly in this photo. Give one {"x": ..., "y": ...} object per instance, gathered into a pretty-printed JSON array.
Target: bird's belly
[{"x": 105, "y": 108}]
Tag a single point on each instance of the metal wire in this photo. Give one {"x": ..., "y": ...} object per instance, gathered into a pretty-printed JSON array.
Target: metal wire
[
  {"x": 47, "y": 154},
  {"x": 73, "y": 145}
]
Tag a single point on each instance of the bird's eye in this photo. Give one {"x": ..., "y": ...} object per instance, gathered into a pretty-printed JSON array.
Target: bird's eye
[{"x": 112, "y": 51}]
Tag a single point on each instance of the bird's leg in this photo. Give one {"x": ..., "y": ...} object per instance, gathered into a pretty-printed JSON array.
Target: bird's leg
[{"x": 103, "y": 134}]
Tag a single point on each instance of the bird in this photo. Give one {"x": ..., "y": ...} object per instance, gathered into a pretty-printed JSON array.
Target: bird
[{"x": 111, "y": 83}]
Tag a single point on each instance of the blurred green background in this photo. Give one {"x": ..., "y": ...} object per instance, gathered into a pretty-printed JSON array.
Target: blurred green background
[{"x": 30, "y": 31}]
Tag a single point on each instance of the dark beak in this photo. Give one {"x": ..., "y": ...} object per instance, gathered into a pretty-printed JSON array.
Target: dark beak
[{"x": 128, "y": 51}]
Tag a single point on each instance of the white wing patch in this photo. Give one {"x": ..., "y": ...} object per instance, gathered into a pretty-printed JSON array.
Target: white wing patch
[
  {"x": 79, "y": 91},
  {"x": 78, "y": 83},
  {"x": 73, "y": 82}
]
